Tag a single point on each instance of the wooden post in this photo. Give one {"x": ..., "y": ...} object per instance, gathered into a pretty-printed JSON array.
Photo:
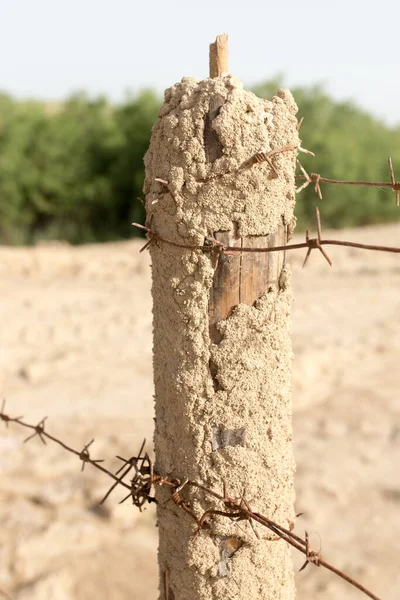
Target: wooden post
[
  {"x": 219, "y": 56},
  {"x": 222, "y": 350}
]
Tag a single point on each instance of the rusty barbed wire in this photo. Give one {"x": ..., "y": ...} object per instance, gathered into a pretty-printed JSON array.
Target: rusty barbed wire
[
  {"x": 261, "y": 157},
  {"x": 316, "y": 179},
  {"x": 39, "y": 431},
  {"x": 145, "y": 478},
  {"x": 213, "y": 245}
]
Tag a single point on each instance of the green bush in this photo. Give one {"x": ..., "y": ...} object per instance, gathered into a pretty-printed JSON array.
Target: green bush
[
  {"x": 75, "y": 172},
  {"x": 349, "y": 144}
]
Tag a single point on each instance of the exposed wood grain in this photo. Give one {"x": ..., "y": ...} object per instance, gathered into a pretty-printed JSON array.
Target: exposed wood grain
[
  {"x": 260, "y": 271},
  {"x": 245, "y": 277},
  {"x": 212, "y": 145},
  {"x": 219, "y": 55},
  {"x": 224, "y": 293}
]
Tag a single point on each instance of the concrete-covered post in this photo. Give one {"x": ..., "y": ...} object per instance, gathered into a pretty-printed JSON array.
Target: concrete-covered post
[{"x": 222, "y": 348}]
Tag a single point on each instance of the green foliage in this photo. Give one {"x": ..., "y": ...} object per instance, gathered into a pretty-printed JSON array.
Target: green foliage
[
  {"x": 349, "y": 144},
  {"x": 75, "y": 172}
]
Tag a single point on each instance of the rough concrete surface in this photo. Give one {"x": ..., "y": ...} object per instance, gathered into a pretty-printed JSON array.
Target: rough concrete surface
[{"x": 251, "y": 384}]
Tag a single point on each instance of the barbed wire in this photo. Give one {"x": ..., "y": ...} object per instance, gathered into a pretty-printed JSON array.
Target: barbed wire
[
  {"x": 40, "y": 432},
  {"x": 145, "y": 479},
  {"x": 316, "y": 179},
  {"x": 213, "y": 245}
]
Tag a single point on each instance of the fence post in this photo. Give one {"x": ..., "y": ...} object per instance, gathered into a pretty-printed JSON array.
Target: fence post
[{"x": 222, "y": 348}]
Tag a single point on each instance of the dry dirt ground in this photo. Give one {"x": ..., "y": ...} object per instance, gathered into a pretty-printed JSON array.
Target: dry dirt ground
[{"x": 75, "y": 344}]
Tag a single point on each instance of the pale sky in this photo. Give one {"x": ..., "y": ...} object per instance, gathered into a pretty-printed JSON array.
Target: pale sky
[{"x": 51, "y": 48}]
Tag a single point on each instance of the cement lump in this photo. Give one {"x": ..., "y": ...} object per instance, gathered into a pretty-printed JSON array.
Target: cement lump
[{"x": 254, "y": 357}]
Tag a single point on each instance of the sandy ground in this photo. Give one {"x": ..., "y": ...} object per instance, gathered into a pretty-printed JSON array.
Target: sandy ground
[{"x": 75, "y": 344}]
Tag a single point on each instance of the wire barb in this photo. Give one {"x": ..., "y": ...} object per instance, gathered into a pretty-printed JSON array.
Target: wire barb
[
  {"x": 313, "y": 178},
  {"x": 85, "y": 456},
  {"x": 39, "y": 431},
  {"x": 261, "y": 157},
  {"x": 317, "y": 242},
  {"x": 151, "y": 236},
  {"x": 311, "y": 556},
  {"x": 306, "y": 151},
  {"x": 395, "y": 184},
  {"x": 6, "y": 418}
]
